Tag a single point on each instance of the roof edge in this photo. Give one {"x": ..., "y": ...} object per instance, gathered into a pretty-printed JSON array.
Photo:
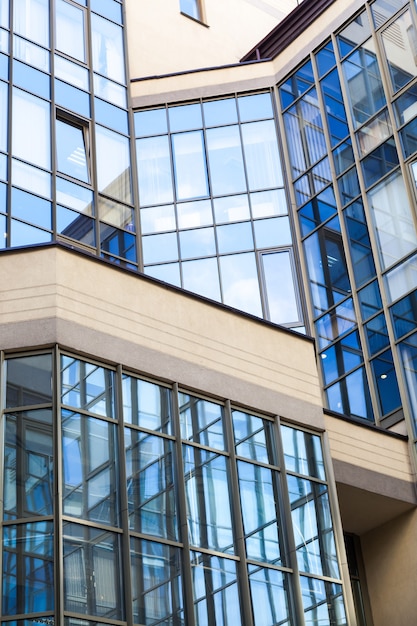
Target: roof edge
[{"x": 287, "y": 30}]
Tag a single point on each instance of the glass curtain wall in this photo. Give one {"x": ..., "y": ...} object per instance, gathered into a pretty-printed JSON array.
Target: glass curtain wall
[
  {"x": 213, "y": 208},
  {"x": 349, "y": 114},
  {"x": 129, "y": 502},
  {"x": 62, "y": 68}
]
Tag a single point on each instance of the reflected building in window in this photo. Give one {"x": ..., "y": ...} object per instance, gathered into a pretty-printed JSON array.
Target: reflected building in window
[{"x": 208, "y": 329}]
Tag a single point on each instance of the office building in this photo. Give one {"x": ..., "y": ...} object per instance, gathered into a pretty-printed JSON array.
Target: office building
[{"x": 208, "y": 325}]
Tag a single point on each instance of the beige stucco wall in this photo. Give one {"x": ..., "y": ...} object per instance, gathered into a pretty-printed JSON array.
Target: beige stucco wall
[
  {"x": 390, "y": 559},
  {"x": 57, "y": 295},
  {"x": 162, "y": 40}
]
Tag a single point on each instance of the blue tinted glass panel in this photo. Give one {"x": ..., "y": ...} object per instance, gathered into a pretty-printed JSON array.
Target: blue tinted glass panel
[
  {"x": 31, "y": 178},
  {"x": 118, "y": 242},
  {"x": 4, "y": 66},
  {"x": 31, "y": 119},
  {"x": 343, "y": 157},
  {"x": 349, "y": 186},
  {"x": 400, "y": 52},
  {"x": 269, "y": 203},
  {"x": 31, "y": 79},
  {"x": 185, "y": 117},
  {"x": 198, "y": 242},
  {"x": 370, "y": 300},
  {"x": 153, "y": 122},
  {"x": 160, "y": 248},
  {"x": 353, "y": 34},
  {"x": 110, "y": 91},
  {"x": 281, "y": 289},
  {"x": 4, "y": 117},
  {"x": 108, "y": 52},
  {"x": 272, "y": 232},
  {"x": 25, "y": 235},
  {"x": 215, "y": 585},
  {"x": 202, "y": 277},
  {"x": 157, "y": 219},
  {"x": 380, "y": 162},
  {"x": 111, "y": 116},
  {"x": 342, "y": 357},
  {"x": 113, "y": 164},
  {"x": 336, "y": 323},
  {"x": 72, "y": 98},
  {"x": 317, "y": 211},
  {"x": 377, "y": 334},
  {"x": 359, "y": 243},
  {"x": 37, "y": 27},
  {"x": 193, "y": 214},
  {"x": 74, "y": 196},
  {"x": 409, "y": 138},
  {"x": 405, "y": 107},
  {"x": 350, "y": 396},
  {"x": 239, "y": 277},
  {"x": 70, "y": 30},
  {"x": 169, "y": 273},
  {"x": 108, "y": 8},
  {"x": 408, "y": 352},
  {"x": 31, "y": 53},
  {"x": 255, "y": 107},
  {"x": 75, "y": 225},
  {"x": 335, "y": 109},
  {"x": 71, "y": 73},
  {"x": 404, "y": 315},
  {"x": 269, "y": 593},
  {"x": 3, "y": 167},
  {"x": 295, "y": 86},
  {"x": 31, "y": 208},
  {"x": 235, "y": 237},
  {"x": 219, "y": 112},
  {"x": 3, "y": 232},
  {"x": 325, "y": 59},
  {"x": 189, "y": 165},
  {"x": 386, "y": 382},
  {"x": 261, "y": 155},
  {"x": 231, "y": 209},
  {"x": 226, "y": 160},
  {"x": 154, "y": 170}
]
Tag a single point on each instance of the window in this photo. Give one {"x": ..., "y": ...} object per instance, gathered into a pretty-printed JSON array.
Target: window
[
  {"x": 192, "y": 8},
  {"x": 72, "y": 150}
]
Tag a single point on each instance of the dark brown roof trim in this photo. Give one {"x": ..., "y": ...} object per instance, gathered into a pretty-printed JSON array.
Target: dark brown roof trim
[{"x": 287, "y": 30}]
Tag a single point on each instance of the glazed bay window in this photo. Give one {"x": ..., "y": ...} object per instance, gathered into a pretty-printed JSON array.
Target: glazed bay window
[{"x": 213, "y": 207}]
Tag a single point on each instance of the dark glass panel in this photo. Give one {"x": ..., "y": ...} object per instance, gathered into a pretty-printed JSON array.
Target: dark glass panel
[
  {"x": 349, "y": 186},
  {"x": 405, "y": 107},
  {"x": 318, "y": 210},
  {"x": 297, "y": 84},
  {"x": 377, "y": 334},
  {"x": 336, "y": 323},
  {"x": 404, "y": 315},
  {"x": 334, "y": 107},
  {"x": 28, "y": 380},
  {"x": 386, "y": 383},
  {"x": 350, "y": 396},
  {"x": 72, "y": 224},
  {"x": 370, "y": 300},
  {"x": 380, "y": 162},
  {"x": 359, "y": 243},
  {"x": 325, "y": 59},
  {"x": 341, "y": 357},
  {"x": 343, "y": 157},
  {"x": 28, "y": 465},
  {"x": 409, "y": 138},
  {"x": 118, "y": 242}
]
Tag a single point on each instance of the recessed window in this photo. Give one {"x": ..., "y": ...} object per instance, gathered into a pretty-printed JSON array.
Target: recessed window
[
  {"x": 192, "y": 8},
  {"x": 71, "y": 149}
]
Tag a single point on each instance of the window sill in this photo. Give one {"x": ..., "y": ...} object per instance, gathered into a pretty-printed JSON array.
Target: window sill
[{"x": 194, "y": 19}]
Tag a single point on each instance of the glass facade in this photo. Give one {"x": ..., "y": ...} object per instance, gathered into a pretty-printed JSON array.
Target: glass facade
[{"x": 131, "y": 501}]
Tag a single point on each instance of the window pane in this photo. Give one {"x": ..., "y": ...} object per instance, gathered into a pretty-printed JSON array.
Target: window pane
[
  {"x": 207, "y": 498},
  {"x": 218, "y": 112},
  {"x": 191, "y": 8},
  {"x": 89, "y": 452},
  {"x": 399, "y": 41},
  {"x": 150, "y": 485},
  {"x": 157, "y": 219},
  {"x": 254, "y": 438},
  {"x": 189, "y": 165},
  {"x": 113, "y": 164},
  {"x": 28, "y": 380},
  {"x": 269, "y": 592},
  {"x": 28, "y": 465},
  {"x": 302, "y": 452},
  {"x": 70, "y": 30},
  {"x": 226, "y": 163},
  {"x": 146, "y": 404},
  {"x": 280, "y": 288},
  {"x": 201, "y": 421},
  {"x": 239, "y": 277},
  {"x": 386, "y": 383},
  {"x": 160, "y": 248},
  {"x": 154, "y": 171},
  {"x": 71, "y": 151},
  {"x": 202, "y": 277},
  {"x": 235, "y": 237},
  {"x": 31, "y": 129},
  {"x": 87, "y": 386},
  {"x": 261, "y": 154},
  {"x": 31, "y": 20},
  {"x": 107, "y": 44}
]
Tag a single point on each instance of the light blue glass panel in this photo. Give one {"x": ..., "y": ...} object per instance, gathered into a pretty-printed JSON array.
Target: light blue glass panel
[
  {"x": 402, "y": 279},
  {"x": 189, "y": 165},
  {"x": 111, "y": 116},
  {"x": 72, "y": 98},
  {"x": 408, "y": 354},
  {"x": 194, "y": 214},
  {"x": 226, "y": 160},
  {"x": 404, "y": 315},
  {"x": 254, "y": 437},
  {"x": 302, "y": 452},
  {"x": 207, "y": 499},
  {"x": 31, "y": 79},
  {"x": 74, "y": 196},
  {"x": 219, "y": 112},
  {"x": 4, "y": 64},
  {"x": 31, "y": 208},
  {"x": 31, "y": 178},
  {"x": 25, "y": 235},
  {"x": 3, "y": 198},
  {"x": 156, "y": 583},
  {"x": 313, "y": 529},
  {"x": 31, "y": 20},
  {"x": 269, "y": 592},
  {"x": 71, "y": 151},
  {"x": 28, "y": 469},
  {"x": 160, "y": 248},
  {"x": 157, "y": 219},
  {"x": 4, "y": 116},
  {"x": 3, "y": 232},
  {"x": 91, "y": 573},
  {"x": 110, "y": 91},
  {"x": 255, "y": 107},
  {"x": 336, "y": 323},
  {"x": 261, "y": 155},
  {"x": 4, "y": 13},
  {"x": 89, "y": 461},
  {"x": 215, "y": 584},
  {"x": 31, "y": 53},
  {"x": 235, "y": 237},
  {"x": 259, "y": 497},
  {"x": 28, "y": 566},
  {"x": 269, "y": 203},
  {"x": 231, "y": 209},
  {"x": 152, "y": 122},
  {"x": 70, "y": 35},
  {"x": 75, "y": 225},
  {"x": 272, "y": 232},
  {"x": 202, "y": 277},
  {"x": 198, "y": 242},
  {"x": 87, "y": 386},
  {"x": 154, "y": 171},
  {"x": 169, "y": 273},
  {"x": 393, "y": 223},
  {"x": 31, "y": 119},
  {"x": 239, "y": 278},
  {"x": 117, "y": 214},
  {"x": 107, "y": 48},
  {"x": 191, "y": 8},
  {"x": 281, "y": 289},
  {"x": 3, "y": 167},
  {"x": 323, "y": 602},
  {"x": 201, "y": 421},
  {"x": 146, "y": 404},
  {"x": 71, "y": 73},
  {"x": 108, "y": 8},
  {"x": 113, "y": 164},
  {"x": 350, "y": 396},
  {"x": 184, "y": 117}
]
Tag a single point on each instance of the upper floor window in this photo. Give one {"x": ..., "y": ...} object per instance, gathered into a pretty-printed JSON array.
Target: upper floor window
[{"x": 192, "y": 8}]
